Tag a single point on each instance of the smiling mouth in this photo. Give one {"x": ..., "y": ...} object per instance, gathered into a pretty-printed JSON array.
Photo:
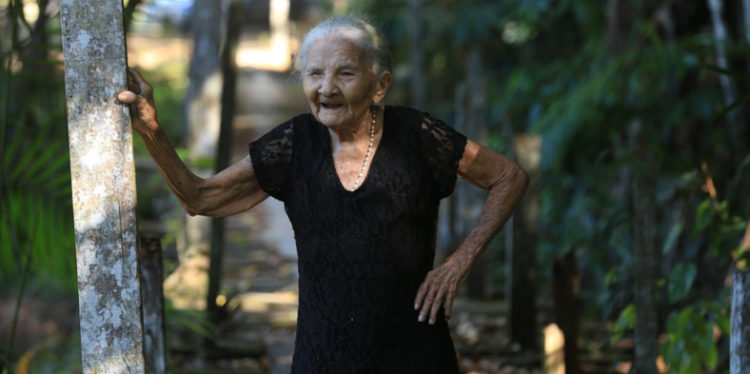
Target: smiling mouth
[{"x": 331, "y": 106}]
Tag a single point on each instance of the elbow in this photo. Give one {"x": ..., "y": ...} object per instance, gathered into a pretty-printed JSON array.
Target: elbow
[
  {"x": 191, "y": 209},
  {"x": 194, "y": 207},
  {"x": 201, "y": 208},
  {"x": 199, "y": 203},
  {"x": 514, "y": 181}
]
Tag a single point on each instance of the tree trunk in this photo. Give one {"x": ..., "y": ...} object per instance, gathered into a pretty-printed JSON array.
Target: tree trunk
[
  {"x": 522, "y": 298},
  {"x": 566, "y": 289},
  {"x": 152, "y": 296},
  {"x": 471, "y": 121},
  {"x": 203, "y": 104},
  {"x": 224, "y": 149},
  {"x": 103, "y": 186},
  {"x": 739, "y": 338},
  {"x": 646, "y": 257},
  {"x": 736, "y": 127}
]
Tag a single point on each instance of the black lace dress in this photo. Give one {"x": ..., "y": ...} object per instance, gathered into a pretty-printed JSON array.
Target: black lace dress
[{"x": 363, "y": 254}]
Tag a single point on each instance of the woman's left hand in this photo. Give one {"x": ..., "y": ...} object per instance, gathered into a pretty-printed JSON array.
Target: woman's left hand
[{"x": 440, "y": 287}]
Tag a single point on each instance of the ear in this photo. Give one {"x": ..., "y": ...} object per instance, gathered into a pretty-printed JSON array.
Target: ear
[{"x": 382, "y": 86}]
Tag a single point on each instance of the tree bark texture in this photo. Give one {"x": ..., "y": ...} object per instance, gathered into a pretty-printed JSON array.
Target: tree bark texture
[
  {"x": 103, "y": 186},
  {"x": 739, "y": 338},
  {"x": 152, "y": 296}
]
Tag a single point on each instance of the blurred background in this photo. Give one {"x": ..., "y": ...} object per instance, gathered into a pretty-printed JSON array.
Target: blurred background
[{"x": 629, "y": 116}]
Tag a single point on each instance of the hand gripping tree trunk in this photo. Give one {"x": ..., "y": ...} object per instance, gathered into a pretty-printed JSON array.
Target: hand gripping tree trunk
[{"x": 103, "y": 185}]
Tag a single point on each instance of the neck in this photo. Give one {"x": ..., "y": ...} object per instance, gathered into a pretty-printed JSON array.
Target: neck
[{"x": 359, "y": 132}]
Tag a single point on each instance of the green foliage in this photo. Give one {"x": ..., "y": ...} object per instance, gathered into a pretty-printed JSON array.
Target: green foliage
[
  {"x": 552, "y": 68},
  {"x": 624, "y": 324},
  {"x": 691, "y": 346},
  {"x": 681, "y": 281},
  {"x": 54, "y": 355},
  {"x": 193, "y": 320},
  {"x": 35, "y": 197}
]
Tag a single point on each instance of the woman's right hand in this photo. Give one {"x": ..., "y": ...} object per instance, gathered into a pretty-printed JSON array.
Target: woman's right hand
[{"x": 140, "y": 99}]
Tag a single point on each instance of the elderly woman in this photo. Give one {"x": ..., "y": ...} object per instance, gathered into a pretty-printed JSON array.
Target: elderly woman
[{"x": 361, "y": 183}]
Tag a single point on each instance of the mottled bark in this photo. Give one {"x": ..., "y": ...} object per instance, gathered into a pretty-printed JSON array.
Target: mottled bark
[
  {"x": 739, "y": 339},
  {"x": 103, "y": 185}
]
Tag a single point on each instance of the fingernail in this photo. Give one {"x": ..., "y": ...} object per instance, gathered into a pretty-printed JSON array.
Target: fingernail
[
  {"x": 416, "y": 306},
  {"x": 124, "y": 96},
  {"x": 420, "y": 318},
  {"x": 432, "y": 321}
]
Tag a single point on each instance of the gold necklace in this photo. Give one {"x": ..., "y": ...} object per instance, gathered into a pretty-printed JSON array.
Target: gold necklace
[{"x": 369, "y": 150}]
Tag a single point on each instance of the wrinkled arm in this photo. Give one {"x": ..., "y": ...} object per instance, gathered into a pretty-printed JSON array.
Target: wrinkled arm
[
  {"x": 506, "y": 183},
  {"x": 231, "y": 191}
]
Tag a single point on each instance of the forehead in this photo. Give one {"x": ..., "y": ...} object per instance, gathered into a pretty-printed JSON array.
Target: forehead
[{"x": 331, "y": 51}]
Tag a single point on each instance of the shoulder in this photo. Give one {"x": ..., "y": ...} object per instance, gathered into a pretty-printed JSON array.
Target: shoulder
[
  {"x": 404, "y": 115},
  {"x": 286, "y": 130},
  {"x": 414, "y": 118}
]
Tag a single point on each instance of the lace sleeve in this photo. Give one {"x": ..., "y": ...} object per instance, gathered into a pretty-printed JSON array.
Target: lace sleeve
[
  {"x": 272, "y": 158},
  {"x": 441, "y": 147}
]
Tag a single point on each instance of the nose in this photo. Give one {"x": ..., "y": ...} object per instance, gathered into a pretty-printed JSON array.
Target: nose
[{"x": 328, "y": 86}]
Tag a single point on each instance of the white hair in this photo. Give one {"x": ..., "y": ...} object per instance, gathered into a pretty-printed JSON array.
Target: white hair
[{"x": 361, "y": 32}]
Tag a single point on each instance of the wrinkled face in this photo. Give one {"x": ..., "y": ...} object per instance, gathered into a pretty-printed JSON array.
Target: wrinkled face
[{"x": 339, "y": 82}]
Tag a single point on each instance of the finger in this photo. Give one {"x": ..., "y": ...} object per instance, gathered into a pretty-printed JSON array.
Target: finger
[
  {"x": 436, "y": 304},
  {"x": 145, "y": 88},
  {"x": 132, "y": 82},
  {"x": 427, "y": 305},
  {"x": 420, "y": 295},
  {"x": 449, "y": 302},
  {"x": 127, "y": 97}
]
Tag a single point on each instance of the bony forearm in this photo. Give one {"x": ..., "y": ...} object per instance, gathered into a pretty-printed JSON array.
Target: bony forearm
[
  {"x": 501, "y": 200},
  {"x": 185, "y": 185}
]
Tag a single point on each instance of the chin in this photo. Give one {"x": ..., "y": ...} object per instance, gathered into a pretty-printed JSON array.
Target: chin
[{"x": 332, "y": 121}]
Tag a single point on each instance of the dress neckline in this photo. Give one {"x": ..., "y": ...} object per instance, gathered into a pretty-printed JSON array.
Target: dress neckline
[{"x": 373, "y": 162}]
